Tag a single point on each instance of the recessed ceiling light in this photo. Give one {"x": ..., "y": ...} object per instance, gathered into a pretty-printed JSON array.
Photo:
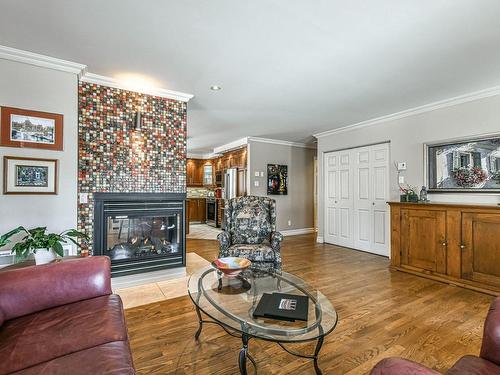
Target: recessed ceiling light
[{"x": 215, "y": 88}]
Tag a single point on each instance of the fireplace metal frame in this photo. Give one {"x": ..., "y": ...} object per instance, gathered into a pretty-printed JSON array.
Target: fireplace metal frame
[{"x": 140, "y": 203}]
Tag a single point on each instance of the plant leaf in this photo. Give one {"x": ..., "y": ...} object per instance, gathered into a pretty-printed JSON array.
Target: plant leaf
[{"x": 58, "y": 249}]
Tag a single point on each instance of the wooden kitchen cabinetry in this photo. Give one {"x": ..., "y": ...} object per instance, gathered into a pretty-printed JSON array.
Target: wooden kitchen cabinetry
[
  {"x": 197, "y": 209},
  {"x": 196, "y": 172},
  {"x": 454, "y": 243}
]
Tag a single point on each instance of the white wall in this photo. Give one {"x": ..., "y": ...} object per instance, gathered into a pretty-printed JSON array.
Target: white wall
[
  {"x": 407, "y": 137},
  {"x": 35, "y": 88},
  {"x": 297, "y": 206}
]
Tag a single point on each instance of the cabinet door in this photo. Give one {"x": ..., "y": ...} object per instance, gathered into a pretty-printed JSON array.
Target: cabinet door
[
  {"x": 202, "y": 210},
  {"x": 192, "y": 209},
  {"x": 198, "y": 175},
  {"x": 423, "y": 239},
  {"x": 481, "y": 248},
  {"x": 189, "y": 171}
]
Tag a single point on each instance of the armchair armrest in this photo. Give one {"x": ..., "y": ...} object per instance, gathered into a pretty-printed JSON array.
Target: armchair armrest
[
  {"x": 224, "y": 241},
  {"x": 276, "y": 238},
  {"x": 27, "y": 290},
  {"x": 490, "y": 348},
  {"x": 399, "y": 366}
]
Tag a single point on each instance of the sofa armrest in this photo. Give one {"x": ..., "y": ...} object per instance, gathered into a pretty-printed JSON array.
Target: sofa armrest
[
  {"x": 224, "y": 242},
  {"x": 490, "y": 348},
  {"x": 27, "y": 290},
  {"x": 399, "y": 366}
]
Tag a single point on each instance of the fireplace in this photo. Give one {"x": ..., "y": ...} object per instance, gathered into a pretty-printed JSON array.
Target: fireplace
[{"x": 140, "y": 232}]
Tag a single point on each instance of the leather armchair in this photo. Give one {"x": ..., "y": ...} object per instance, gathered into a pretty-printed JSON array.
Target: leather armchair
[
  {"x": 250, "y": 232},
  {"x": 488, "y": 363}
]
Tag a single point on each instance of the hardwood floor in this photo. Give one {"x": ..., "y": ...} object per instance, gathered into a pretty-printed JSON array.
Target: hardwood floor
[{"x": 381, "y": 314}]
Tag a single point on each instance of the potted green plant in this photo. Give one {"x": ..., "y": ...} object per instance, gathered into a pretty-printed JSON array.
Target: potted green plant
[{"x": 45, "y": 246}]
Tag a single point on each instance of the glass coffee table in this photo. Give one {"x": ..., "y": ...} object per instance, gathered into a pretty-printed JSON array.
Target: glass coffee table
[{"x": 230, "y": 303}]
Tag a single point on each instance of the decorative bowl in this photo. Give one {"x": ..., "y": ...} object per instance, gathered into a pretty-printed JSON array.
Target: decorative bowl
[{"x": 231, "y": 266}]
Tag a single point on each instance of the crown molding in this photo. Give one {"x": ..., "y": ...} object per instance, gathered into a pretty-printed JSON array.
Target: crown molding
[
  {"x": 209, "y": 155},
  {"x": 111, "y": 82},
  {"x": 231, "y": 145},
  {"x": 282, "y": 143},
  {"x": 476, "y": 95},
  {"x": 31, "y": 58}
]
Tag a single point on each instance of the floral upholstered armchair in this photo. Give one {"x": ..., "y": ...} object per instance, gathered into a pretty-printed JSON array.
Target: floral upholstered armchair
[{"x": 251, "y": 232}]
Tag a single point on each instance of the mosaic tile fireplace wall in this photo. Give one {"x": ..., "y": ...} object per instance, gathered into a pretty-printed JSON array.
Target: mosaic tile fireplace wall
[{"x": 113, "y": 157}]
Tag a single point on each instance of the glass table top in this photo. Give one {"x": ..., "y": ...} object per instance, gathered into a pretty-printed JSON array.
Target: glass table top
[{"x": 231, "y": 302}]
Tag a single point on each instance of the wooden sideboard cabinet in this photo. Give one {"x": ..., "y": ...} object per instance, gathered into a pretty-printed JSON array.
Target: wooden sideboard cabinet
[{"x": 454, "y": 243}]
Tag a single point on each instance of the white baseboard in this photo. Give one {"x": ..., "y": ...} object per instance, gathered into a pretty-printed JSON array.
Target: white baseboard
[
  {"x": 320, "y": 239},
  {"x": 296, "y": 232}
]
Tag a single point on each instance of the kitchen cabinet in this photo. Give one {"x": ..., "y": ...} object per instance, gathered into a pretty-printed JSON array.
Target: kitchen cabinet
[
  {"x": 453, "y": 243},
  {"x": 197, "y": 209},
  {"x": 199, "y": 173},
  {"x": 194, "y": 172}
]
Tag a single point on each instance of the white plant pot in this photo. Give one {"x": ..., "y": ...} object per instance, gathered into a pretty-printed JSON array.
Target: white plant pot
[{"x": 44, "y": 256}]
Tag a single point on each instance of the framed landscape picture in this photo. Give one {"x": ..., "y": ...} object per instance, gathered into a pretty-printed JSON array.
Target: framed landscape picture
[
  {"x": 34, "y": 129},
  {"x": 29, "y": 175},
  {"x": 471, "y": 165},
  {"x": 277, "y": 179}
]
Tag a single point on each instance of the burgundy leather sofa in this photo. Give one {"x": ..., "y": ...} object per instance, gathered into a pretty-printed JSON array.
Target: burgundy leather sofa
[
  {"x": 488, "y": 363},
  {"x": 62, "y": 318}
]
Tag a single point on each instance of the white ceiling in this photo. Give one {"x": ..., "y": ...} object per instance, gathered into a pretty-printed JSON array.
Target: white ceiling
[{"x": 288, "y": 68}]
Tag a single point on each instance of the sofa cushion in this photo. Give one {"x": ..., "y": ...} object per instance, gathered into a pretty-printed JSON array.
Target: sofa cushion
[
  {"x": 255, "y": 253},
  {"x": 472, "y": 365},
  {"x": 52, "y": 333},
  {"x": 250, "y": 222},
  {"x": 107, "y": 359}
]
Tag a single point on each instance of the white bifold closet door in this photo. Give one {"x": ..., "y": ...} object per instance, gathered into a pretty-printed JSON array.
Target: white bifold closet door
[{"x": 356, "y": 195}]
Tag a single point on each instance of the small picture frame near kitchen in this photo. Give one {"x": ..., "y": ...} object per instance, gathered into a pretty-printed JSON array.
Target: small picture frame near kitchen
[{"x": 277, "y": 179}]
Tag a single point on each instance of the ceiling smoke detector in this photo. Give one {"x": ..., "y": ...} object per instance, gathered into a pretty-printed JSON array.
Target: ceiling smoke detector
[{"x": 215, "y": 88}]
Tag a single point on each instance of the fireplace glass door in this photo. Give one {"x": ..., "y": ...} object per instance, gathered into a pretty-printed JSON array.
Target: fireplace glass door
[{"x": 132, "y": 237}]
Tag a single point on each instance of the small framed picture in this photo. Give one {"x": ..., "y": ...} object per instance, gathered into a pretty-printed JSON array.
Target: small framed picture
[
  {"x": 33, "y": 129},
  {"x": 277, "y": 179},
  {"x": 29, "y": 175}
]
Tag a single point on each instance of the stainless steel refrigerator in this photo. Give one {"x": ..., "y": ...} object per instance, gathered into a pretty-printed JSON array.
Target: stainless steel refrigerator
[{"x": 233, "y": 185}]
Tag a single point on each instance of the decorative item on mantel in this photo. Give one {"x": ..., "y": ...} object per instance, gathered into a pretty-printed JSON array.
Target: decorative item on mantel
[
  {"x": 44, "y": 246},
  {"x": 423, "y": 195},
  {"x": 408, "y": 194}
]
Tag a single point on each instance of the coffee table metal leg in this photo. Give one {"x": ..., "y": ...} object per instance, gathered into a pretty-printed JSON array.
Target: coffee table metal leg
[
  {"x": 200, "y": 321},
  {"x": 242, "y": 359},
  {"x": 316, "y": 354}
]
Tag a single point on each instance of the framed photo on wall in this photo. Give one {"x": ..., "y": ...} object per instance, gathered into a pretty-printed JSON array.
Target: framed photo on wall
[
  {"x": 33, "y": 129},
  {"x": 29, "y": 175},
  {"x": 277, "y": 179},
  {"x": 470, "y": 165}
]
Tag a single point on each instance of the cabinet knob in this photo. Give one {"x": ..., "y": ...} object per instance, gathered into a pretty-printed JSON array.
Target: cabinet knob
[
  {"x": 462, "y": 246},
  {"x": 444, "y": 243}
]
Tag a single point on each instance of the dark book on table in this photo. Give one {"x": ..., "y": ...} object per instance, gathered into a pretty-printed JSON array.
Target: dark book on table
[{"x": 289, "y": 307}]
